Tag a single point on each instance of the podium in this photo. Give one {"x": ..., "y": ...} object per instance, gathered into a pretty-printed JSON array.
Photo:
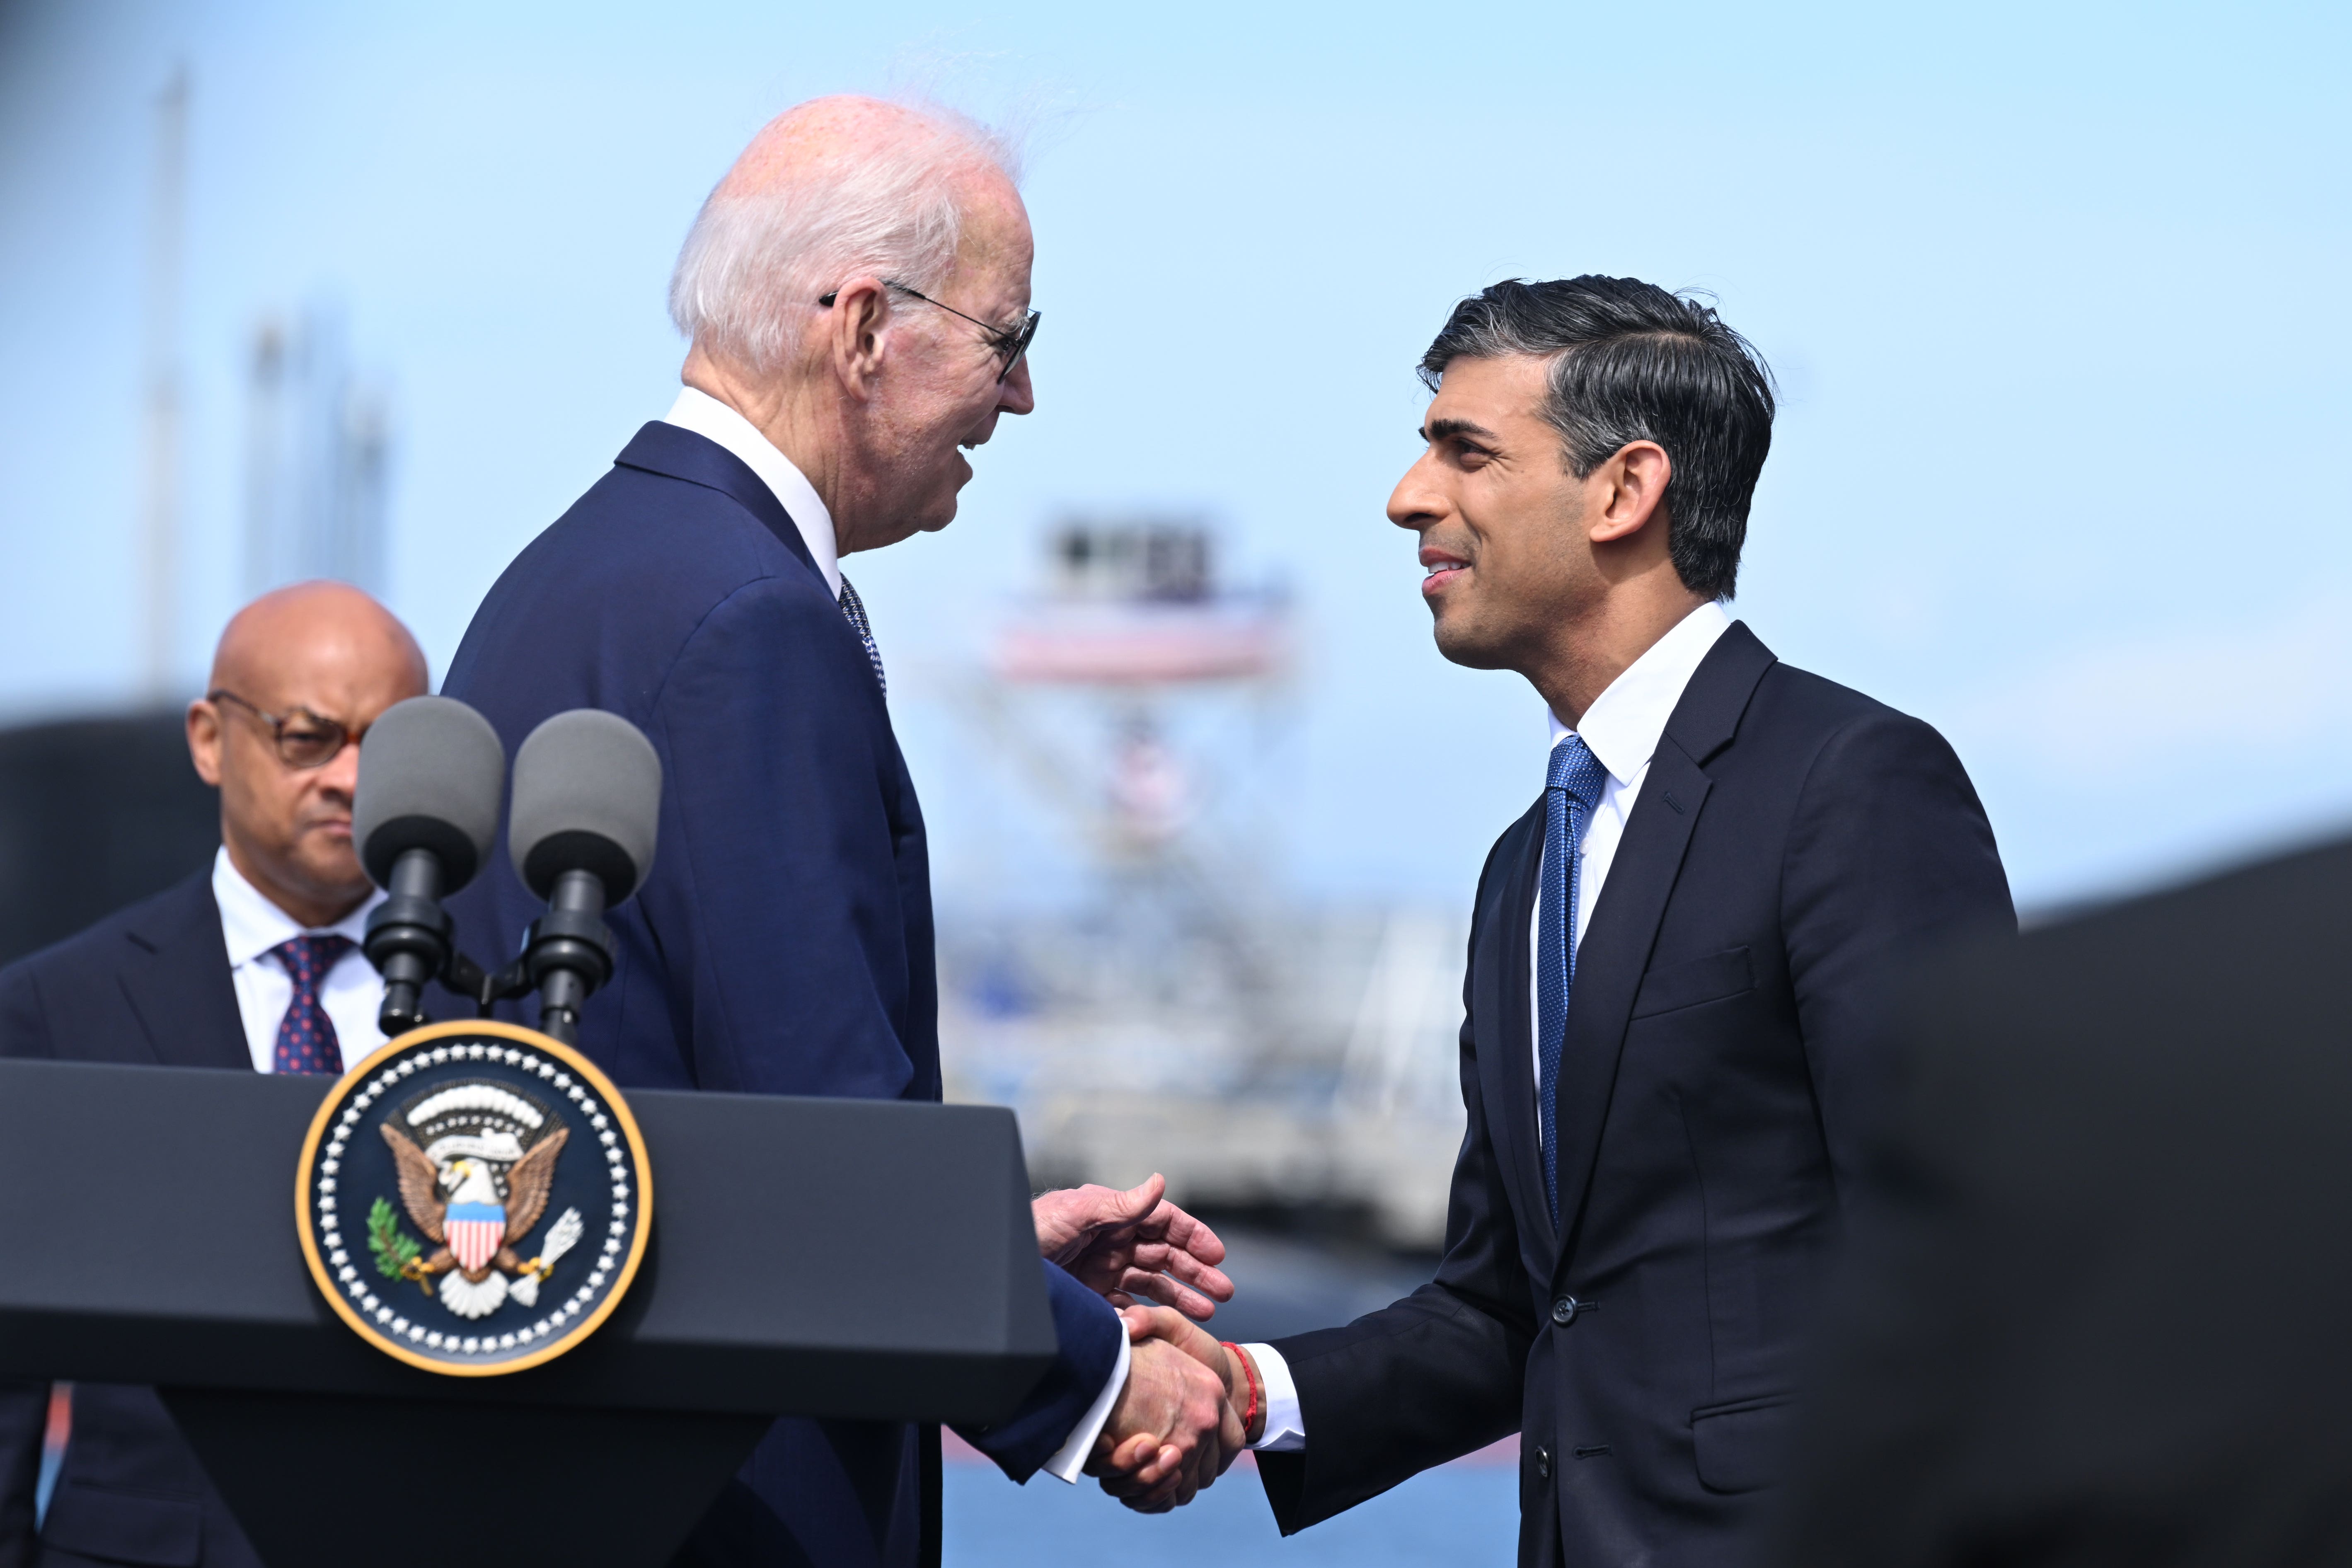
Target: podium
[{"x": 863, "y": 1259}]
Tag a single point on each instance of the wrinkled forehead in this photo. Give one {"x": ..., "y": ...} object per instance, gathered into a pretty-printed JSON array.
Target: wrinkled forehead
[{"x": 997, "y": 249}]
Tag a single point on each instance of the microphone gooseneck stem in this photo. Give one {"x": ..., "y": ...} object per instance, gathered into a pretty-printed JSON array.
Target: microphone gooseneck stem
[
  {"x": 408, "y": 938},
  {"x": 571, "y": 951}
]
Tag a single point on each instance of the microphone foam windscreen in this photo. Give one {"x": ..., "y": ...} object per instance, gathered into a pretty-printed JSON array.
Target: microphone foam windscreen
[
  {"x": 587, "y": 797},
  {"x": 430, "y": 772}
]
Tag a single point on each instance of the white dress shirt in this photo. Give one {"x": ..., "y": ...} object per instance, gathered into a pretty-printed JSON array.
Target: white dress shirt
[
  {"x": 1622, "y": 726},
  {"x": 703, "y": 415},
  {"x": 698, "y": 411},
  {"x": 251, "y": 926}
]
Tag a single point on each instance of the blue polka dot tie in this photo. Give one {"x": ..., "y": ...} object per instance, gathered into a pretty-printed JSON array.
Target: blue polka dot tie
[
  {"x": 1570, "y": 791},
  {"x": 306, "y": 1035},
  {"x": 854, "y": 609}
]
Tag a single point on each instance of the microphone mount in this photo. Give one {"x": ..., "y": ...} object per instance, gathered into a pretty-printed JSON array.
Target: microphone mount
[
  {"x": 567, "y": 953},
  {"x": 410, "y": 939}
]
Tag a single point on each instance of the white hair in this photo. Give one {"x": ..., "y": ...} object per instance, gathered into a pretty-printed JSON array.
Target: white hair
[{"x": 754, "y": 265}]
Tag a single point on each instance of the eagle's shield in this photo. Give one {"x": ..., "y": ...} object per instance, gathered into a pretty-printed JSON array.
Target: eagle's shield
[{"x": 475, "y": 1231}]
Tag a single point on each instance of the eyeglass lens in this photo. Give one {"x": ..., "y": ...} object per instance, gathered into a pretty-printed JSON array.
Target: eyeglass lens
[{"x": 307, "y": 740}]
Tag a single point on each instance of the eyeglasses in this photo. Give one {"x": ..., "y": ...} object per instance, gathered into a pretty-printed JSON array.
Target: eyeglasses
[
  {"x": 1010, "y": 342},
  {"x": 303, "y": 739}
]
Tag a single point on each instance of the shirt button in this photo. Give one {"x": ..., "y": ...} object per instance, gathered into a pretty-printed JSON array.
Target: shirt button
[
  {"x": 1543, "y": 1463},
  {"x": 1563, "y": 1311}
]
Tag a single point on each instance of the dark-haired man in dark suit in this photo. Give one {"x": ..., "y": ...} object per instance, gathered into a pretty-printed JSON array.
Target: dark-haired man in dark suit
[
  {"x": 251, "y": 965},
  {"x": 1675, "y": 1037}
]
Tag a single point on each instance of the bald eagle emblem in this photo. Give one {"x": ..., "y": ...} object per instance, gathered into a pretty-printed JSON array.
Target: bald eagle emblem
[{"x": 475, "y": 1159}]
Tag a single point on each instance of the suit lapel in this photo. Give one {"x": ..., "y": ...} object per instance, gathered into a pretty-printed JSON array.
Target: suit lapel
[
  {"x": 175, "y": 977},
  {"x": 1505, "y": 1054},
  {"x": 1615, "y": 951}
]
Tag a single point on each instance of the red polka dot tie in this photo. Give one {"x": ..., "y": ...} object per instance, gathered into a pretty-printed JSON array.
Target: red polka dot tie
[{"x": 306, "y": 1035}]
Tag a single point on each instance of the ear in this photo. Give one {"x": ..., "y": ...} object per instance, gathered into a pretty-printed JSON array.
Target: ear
[
  {"x": 861, "y": 308},
  {"x": 205, "y": 741},
  {"x": 1633, "y": 489}
]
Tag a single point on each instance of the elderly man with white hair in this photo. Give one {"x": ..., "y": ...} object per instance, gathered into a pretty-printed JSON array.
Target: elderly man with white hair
[{"x": 857, "y": 293}]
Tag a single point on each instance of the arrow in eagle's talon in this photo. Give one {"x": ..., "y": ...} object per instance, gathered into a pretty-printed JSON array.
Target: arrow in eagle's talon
[{"x": 561, "y": 1237}]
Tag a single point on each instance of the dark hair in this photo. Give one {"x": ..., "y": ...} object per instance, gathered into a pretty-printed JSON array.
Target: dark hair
[{"x": 1632, "y": 363}]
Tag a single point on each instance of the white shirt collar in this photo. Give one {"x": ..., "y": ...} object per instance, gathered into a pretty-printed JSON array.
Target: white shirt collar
[
  {"x": 1624, "y": 722},
  {"x": 698, "y": 411},
  {"x": 251, "y": 925}
]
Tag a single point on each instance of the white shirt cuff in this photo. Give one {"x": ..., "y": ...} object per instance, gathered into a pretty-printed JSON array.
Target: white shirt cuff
[
  {"x": 1070, "y": 1462},
  {"x": 1285, "y": 1427}
]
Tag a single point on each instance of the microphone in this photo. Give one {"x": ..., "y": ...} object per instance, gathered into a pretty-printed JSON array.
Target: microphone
[
  {"x": 587, "y": 798},
  {"x": 425, "y": 817}
]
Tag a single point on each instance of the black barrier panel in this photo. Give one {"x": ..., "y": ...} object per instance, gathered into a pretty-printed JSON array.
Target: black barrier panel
[{"x": 95, "y": 814}]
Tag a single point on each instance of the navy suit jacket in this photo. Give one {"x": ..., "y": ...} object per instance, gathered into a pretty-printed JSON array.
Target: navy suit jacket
[
  {"x": 781, "y": 944},
  {"x": 149, "y": 985},
  {"x": 1727, "y": 1048}
]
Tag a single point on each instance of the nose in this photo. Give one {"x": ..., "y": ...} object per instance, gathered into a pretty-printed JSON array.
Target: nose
[
  {"x": 1015, "y": 394},
  {"x": 1416, "y": 503},
  {"x": 340, "y": 774}
]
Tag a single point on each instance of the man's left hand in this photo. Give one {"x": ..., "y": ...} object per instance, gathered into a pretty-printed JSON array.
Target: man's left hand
[{"x": 1133, "y": 1244}]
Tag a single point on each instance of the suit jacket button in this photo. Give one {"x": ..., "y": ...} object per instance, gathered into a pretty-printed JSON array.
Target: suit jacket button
[
  {"x": 1563, "y": 1311},
  {"x": 1543, "y": 1463}
]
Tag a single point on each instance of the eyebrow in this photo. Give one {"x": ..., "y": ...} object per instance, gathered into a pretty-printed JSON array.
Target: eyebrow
[{"x": 1439, "y": 430}]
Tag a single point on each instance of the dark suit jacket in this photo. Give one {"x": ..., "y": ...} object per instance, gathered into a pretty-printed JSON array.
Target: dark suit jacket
[
  {"x": 148, "y": 986},
  {"x": 2100, "y": 1311},
  {"x": 1723, "y": 1055},
  {"x": 782, "y": 941}
]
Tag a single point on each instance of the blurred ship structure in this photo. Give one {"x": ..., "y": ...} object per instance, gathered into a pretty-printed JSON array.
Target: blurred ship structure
[{"x": 1180, "y": 1013}]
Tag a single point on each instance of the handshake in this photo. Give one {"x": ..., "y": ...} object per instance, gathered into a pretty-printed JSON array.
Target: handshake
[{"x": 1191, "y": 1404}]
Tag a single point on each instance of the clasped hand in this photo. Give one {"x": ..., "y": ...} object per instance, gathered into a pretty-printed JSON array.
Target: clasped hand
[
  {"x": 1174, "y": 1427},
  {"x": 1191, "y": 1397}
]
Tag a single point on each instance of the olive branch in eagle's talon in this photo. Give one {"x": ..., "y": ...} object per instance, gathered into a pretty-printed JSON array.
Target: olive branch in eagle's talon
[{"x": 396, "y": 1253}]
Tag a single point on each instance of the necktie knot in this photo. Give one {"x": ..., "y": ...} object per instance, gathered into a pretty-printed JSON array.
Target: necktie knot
[
  {"x": 1575, "y": 769},
  {"x": 307, "y": 958}
]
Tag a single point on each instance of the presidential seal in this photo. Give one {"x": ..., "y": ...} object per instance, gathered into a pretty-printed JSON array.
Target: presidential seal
[{"x": 474, "y": 1198}]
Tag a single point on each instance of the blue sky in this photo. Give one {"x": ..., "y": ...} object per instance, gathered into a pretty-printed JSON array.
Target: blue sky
[{"x": 2051, "y": 291}]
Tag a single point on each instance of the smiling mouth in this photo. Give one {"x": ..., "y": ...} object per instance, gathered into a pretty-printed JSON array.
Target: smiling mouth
[{"x": 1435, "y": 574}]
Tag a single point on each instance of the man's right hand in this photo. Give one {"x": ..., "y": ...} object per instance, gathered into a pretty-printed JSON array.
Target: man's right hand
[
  {"x": 1172, "y": 1432},
  {"x": 1232, "y": 1366}
]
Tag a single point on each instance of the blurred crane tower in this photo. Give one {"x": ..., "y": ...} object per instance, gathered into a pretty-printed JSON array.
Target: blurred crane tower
[
  {"x": 317, "y": 445},
  {"x": 1187, "y": 1017},
  {"x": 1134, "y": 624}
]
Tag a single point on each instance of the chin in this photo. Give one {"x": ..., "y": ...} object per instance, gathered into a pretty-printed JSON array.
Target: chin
[
  {"x": 1462, "y": 645},
  {"x": 939, "y": 513}
]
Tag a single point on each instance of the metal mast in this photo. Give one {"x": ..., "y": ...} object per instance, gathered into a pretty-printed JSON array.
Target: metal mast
[{"x": 159, "y": 556}]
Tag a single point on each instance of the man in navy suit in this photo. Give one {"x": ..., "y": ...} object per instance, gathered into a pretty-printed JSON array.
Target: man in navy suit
[
  {"x": 1675, "y": 1039},
  {"x": 252, "y": 965},
  {"x": 857, "y": 294}
]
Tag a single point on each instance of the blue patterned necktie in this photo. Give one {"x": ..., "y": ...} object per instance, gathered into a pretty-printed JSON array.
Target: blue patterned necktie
[
  {"x": 306, "y": 1035},
  {"x": 854, "y": 609},
  {"x": 1570, "y": 791}
]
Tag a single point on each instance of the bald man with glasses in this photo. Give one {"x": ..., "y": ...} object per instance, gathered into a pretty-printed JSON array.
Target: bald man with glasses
[{"x": 253, "y": 964}]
